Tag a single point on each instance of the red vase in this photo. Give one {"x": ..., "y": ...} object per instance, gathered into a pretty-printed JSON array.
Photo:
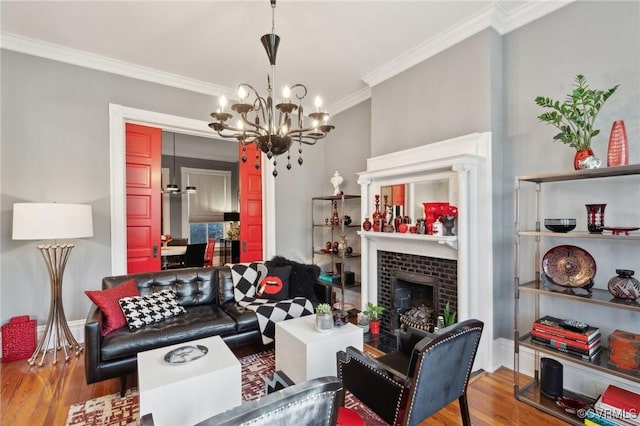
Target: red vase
[
  {"x": 374, "y": 327},
  {"x": 366, "y": 225},
  {"x": 618, "y": 151},
  {"x": 377, "y": 215},
  {"x": 581, "y": 155}
]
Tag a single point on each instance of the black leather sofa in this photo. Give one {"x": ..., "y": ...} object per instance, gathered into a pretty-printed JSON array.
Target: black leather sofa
[{"x": 207, "y": 296}]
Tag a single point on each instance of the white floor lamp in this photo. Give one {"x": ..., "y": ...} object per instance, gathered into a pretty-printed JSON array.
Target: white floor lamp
[{"x": 53, "y": 221}]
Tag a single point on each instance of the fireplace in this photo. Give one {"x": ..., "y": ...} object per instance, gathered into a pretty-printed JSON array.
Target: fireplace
[
  {"x": 460, "y": 267},
  {"x": 407, "y": 281},
  {"x": 415, "y": 299}
]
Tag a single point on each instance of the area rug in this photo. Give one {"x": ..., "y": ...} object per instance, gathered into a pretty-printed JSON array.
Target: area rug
[{"x": 114, "y": 410}]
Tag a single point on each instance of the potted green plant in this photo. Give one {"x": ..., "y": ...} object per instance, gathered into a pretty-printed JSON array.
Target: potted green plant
[
  {"x": 324, "y": 318},
  {"x": 575, "y": 117},
  {"x": 363, "y": 322},
  {"x": 449, "y": 315},
  {"x": 374, "y": 313}
]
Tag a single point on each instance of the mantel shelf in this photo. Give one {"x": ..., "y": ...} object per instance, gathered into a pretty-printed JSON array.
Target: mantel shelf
[{"x": 451, "y": 241}]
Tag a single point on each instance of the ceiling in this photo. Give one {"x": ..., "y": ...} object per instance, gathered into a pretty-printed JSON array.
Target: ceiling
[{"x": 338, "y": 49}]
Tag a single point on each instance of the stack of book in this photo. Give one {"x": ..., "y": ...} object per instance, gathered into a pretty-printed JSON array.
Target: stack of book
[
  {"x": 615, "y": 407},
  {"x": 328, "y": 277},
  {"x": 583, "y": 343}
]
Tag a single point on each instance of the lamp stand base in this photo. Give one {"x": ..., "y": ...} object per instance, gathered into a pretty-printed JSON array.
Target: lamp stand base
[{"x": 56, "y": 330}]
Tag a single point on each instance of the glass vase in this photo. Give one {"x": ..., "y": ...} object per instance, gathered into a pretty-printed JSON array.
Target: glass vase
[
  {"x": 584, "y": 159},
  {"x": 618, "y": 150},
  {"x": 377, "y": 216},
  {"x": 595, "y": 218}
]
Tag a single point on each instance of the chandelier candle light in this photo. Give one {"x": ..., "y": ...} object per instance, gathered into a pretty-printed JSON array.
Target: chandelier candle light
[
  {"x": 272, "y": 131},
  {"x": 52, "y": 221}
]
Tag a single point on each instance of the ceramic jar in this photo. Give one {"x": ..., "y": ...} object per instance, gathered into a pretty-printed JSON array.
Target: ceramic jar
[
  {"x": 624, "y": 286},
  {"x": 324, "y": 322}
]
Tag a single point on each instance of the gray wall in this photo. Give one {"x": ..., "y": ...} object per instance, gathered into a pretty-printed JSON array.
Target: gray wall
[
  {"x": 183, "y": 159},
  {"x": 55, "y": 136},
  {"x": 55, "y": 147},
  {"x": 293, "y": 191},
  {"x": 445, "y": 96},
  {"x": 598, "y": 39},
  {"x": 488, "y": 83},
  {"x": 348, "y": 150}
]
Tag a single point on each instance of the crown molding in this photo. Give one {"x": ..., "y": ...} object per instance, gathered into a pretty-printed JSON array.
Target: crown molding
[
  {"x": 531, "y": 11},
  {"x": 84, "y": 59},
  {"x": 493, "y": 16},
  {"x": 349, "y": 101},
  {"x": 432, "y": 47}
]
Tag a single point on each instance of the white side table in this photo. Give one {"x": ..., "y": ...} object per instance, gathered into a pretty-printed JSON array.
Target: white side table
[
  {"x": 304, "y": 353},
  {"x": 185, "y": 394}
]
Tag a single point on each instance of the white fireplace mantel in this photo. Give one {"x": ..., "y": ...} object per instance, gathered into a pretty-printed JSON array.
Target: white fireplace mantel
[{"x": 466, "y": 163}]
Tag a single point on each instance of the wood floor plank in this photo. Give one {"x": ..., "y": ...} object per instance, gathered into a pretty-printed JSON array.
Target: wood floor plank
[{"x": 34, "y": 396}]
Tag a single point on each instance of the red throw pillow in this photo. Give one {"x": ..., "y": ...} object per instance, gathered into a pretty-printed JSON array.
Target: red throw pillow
[{"x": 107, "y": 301}]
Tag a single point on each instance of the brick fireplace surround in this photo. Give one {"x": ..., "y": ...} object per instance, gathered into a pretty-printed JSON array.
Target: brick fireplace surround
[
  {"x": 463, "y": 264},
  {"x": 443, "y": 273}
]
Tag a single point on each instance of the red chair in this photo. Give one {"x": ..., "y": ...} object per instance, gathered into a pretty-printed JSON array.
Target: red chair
[{"x": 208, "y": 254}]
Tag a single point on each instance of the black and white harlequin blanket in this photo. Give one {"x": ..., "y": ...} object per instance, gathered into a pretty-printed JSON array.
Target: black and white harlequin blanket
[{"x": 246, "y": 278}]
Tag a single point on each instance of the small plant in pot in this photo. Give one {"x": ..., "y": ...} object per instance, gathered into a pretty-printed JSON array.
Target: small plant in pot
[
  {"x": 363, "y": 322},
  {"x": 449, "y": 315},
  {"x": 324, "y": 318},
  {"x": 575, "y": 117},
  {"x": 374, "y": 313}
]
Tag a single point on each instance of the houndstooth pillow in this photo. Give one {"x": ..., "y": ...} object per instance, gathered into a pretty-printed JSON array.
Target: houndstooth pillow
[{"x": 144, "y": 310}]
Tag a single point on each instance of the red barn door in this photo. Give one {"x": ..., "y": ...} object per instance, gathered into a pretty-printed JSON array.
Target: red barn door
[{"x": 143, "y": 167}]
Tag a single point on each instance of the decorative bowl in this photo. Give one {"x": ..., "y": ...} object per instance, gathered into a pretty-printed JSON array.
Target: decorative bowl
[{"x": 560, "y": 225}]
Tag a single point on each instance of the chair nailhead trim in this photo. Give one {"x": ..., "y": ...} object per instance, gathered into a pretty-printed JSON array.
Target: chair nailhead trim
[{"x": 466, "y": 380}]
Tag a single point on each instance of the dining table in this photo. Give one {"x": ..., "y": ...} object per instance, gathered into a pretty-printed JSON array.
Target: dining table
[{"x": 167, "y": 252}]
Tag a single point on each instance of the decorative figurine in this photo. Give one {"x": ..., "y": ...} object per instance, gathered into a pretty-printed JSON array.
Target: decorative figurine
[{"x": 336, "y": 181}]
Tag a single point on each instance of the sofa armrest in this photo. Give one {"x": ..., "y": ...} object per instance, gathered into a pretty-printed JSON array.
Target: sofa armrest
[{"x": 92, "y": 343}]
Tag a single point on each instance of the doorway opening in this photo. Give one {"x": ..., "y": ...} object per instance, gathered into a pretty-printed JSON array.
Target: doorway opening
[{"x": 120, "y": 115}]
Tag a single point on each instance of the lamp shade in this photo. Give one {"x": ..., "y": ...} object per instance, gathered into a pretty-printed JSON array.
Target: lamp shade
[
  {"x": 231, "y": 216},
  {"x": 51, "y": 221}
]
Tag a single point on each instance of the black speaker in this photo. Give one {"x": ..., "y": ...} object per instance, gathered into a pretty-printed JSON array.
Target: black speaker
[
  {"x": 349, "y": 278},
  {"x": 550, "y": 378}
]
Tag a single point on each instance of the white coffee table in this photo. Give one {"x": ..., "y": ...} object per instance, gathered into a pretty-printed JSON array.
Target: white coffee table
[
  {"x": 185, "y": 394},
  {"x": 304, "y": 353}
]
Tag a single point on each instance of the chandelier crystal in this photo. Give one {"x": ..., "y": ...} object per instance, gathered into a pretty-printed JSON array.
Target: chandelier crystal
[{"x": 273, "y": 128}]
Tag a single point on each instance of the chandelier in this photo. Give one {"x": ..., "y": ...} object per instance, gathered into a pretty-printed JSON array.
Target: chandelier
[{"x": 273, "y": 128}]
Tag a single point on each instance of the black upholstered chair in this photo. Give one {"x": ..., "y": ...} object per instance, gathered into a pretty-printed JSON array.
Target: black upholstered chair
[
  {"x": 425, "y": 374},
  {"x": 194, "y": 256},
  {"x": 314, "y": 402}
]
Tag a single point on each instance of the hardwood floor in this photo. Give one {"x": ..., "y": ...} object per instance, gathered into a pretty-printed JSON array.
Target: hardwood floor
[{"x": 34, "y": 396}]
